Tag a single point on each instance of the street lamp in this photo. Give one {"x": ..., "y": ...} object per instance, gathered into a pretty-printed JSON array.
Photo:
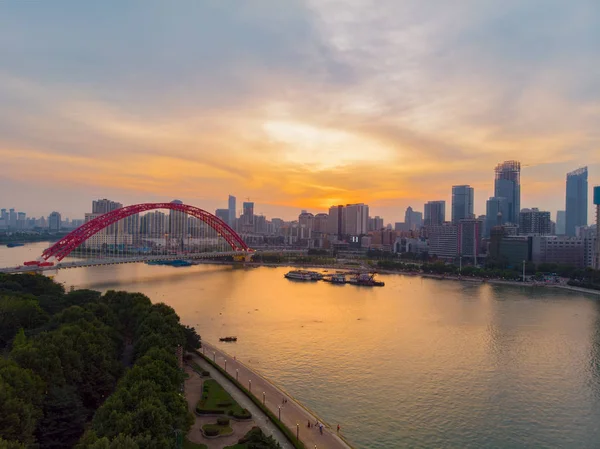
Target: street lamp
[
  {"x": 214, "y": 357},
  {"x": 237, "y": 372},
  {"x": 297, "y": 431},
  {"x": 225, "y": 365},
  {"x": 279, "y": 407},
  {"x": 250, "y": 385},
  {"x": 264, "y": 397},
  {"x": 523, "y": 270}
]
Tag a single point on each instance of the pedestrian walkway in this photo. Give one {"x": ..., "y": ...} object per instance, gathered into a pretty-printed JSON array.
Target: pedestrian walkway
[
  {"x": 292, "y": 413},
  {"x": 259, "y": 417}
]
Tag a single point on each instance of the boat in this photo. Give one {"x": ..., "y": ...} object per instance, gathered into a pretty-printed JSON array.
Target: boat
[
  {"x": 366, "y": 279},
  {"x": 171, "y": 263},
  {"x": 14, "y": 245},
  {"x": 298, "y": 275},
  {"x": 228, "y": 339},
  {"x": 314, "y": 275},
  {"x": 336, "y": 279}
]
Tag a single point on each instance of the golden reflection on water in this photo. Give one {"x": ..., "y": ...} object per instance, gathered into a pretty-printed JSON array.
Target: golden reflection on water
[{"x": 417, "y": 363}]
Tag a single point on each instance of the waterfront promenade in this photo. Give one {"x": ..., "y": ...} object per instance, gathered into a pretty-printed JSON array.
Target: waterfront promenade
[{"x": 293, "y": 414}]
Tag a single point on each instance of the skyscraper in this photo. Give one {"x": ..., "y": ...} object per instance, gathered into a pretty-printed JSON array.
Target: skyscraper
[
  {"x": 232, "y": 217},
  {"x": 355, "y": 219},
  {"x": 597, "y": 204},
  {"x": 12, "y": 219},
  {"x": 54, "y": 221},
  {"x": 247, "y": 217},
  {"x": 576, "y": 200},
  {"x": 177, "y": 224},
  {"x": 335, "y": 221},
  {"x": 561, "y": 222},
  {"x": 435, "y": 213},
  {"x": 508, "y": 185},
  {"x": 496, "y": 210},
  {"x": 462, "y": 203},
  {"x": 223, "y": 214},
  {"x": 104, "y": 206},
  {"x": 534, "y": 222}
]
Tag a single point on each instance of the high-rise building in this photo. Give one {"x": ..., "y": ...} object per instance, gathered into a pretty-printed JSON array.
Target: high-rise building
[
  {"x": 375, "y": 224},
  {"x": 561, "y": 222},
  {"x": 335, "y": 221},
  {"x": 412, "y": 220},
  {"x": 597, "y": 204},
  {"x": 435, "y": 213},
  {"x": 54, "y": 222},
  {"x": 223, "y": 214},
  {"x": 12, "y": 219},
  {"x": 247, "y": 217},
  {"x": 508, "y": 185},
  {"x": 355, "y": 219},
  {"x": 534, "y": 222},
  {"x": 177, "y": 224},
  {"x": 577, "y": 200},
  {"x": 232, "y": 217},
  {"x": 469, "y": 237},
  {"x": 496, "y": 211},
  {"x": 443, "y": 240},
  {"x": 153, "y": 224},
  {"x": 307, "y": 220},
  {"x": 104, "y": 206},
  {"x": 320, "y": 223},
  {"x": 21, "y": 217},
  {"x": 462, "y": 203}
]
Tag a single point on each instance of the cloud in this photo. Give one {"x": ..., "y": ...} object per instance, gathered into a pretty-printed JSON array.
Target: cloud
[{"x": 298, "y": 104}]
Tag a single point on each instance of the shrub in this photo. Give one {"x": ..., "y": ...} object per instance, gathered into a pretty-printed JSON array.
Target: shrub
[
  {"x": 205, "y": 374},
  {"x": 225, "y": 404},
  {"x": 223, "y": 421},
  {"x": 202, "y": 411},
  {"x": 244, "y": 414},
  {"x": 211, "y": 432}
]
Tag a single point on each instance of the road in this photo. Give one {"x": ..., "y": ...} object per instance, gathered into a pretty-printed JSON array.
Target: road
[{"x": 293, "y": 414}]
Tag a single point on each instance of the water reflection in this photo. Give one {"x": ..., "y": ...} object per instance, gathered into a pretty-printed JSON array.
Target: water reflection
[{"x": 418, "y": 363}]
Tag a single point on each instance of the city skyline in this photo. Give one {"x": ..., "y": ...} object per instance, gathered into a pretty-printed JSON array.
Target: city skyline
[{"x": 293, "y": 106}]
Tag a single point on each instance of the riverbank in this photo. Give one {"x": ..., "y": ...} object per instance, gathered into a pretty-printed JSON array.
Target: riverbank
[
  {"x": 442, "y": 277},
  {"x": 293, "y": 414}
]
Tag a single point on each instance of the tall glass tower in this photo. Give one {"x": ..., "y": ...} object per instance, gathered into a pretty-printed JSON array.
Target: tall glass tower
[
  {"x": 577, "y": 200},
  {"x": 462, "y": 203},
  {"x": 508, "y": 185}
]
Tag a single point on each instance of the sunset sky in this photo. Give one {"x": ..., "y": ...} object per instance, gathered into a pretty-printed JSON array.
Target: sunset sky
[{"x": 294, "y": 104}]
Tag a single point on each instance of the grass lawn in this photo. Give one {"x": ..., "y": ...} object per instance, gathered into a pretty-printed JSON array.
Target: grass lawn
[
  {"x": 187, "y": 444},
  {"x": 216, "y": 399}
]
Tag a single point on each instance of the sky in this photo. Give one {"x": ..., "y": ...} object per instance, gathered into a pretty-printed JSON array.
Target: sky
[{"x": 294, "y": 104}]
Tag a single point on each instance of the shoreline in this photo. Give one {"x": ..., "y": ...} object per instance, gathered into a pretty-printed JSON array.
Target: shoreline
[
  {"x": 414, "y": 274},
  {"x": 311, "y": 414}
]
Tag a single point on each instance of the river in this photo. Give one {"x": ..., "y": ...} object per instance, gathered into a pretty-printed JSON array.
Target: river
[{"x": 417, "y": 363}]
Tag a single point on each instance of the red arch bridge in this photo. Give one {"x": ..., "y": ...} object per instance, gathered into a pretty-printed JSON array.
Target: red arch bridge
[{"x": 142, "y": 233}]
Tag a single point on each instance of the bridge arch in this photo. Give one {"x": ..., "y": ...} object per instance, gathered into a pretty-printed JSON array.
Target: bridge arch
[{"x": 64, "y": 246}]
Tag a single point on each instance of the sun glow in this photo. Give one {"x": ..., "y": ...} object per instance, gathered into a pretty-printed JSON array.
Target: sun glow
[{"x": 323, "y": 148}]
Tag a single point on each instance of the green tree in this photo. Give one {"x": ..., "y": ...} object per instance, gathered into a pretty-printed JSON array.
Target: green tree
[{"x": 64, "y": 418}]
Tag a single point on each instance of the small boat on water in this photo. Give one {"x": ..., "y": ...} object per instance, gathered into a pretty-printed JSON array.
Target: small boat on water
[
  {"x": 14, "y": 245},
  {"x": 336, "y": 279},
  {"x": 228, "y": 339},
  {"x": 366, "y": 279},
  {"x": 298, "y": 275}
]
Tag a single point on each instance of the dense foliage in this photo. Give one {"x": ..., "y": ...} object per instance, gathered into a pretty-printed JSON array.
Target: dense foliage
[{"x": 64, "y": 356}]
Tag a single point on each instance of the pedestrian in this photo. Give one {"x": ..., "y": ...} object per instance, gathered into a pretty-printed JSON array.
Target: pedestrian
[
  {"x": 308, "y": 424},
  {"x": 338, "y": 428},
  {"x": 321, "y": 429}
]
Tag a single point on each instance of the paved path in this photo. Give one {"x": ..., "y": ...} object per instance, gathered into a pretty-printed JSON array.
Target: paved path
[
  {"x": 193, "y": 393},
  {"x": 293, "y": 414},
  {"x": 259, "y": 417}
]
